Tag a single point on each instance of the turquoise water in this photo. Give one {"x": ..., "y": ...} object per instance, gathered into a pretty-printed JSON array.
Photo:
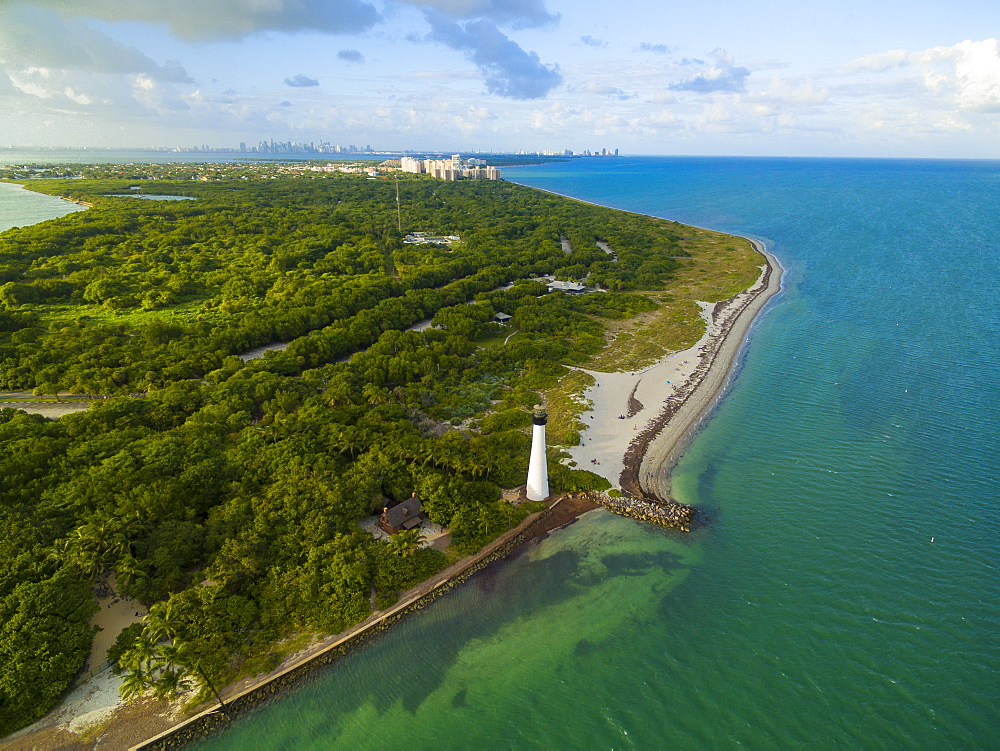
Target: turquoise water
[{"x": 814, "y": 610}]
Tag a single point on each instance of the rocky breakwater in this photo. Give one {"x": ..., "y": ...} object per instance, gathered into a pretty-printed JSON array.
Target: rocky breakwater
[{"x": 667, "y": 513}]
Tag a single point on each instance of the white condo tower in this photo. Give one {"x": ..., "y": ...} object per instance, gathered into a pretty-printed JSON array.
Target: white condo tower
[{"x": 538, "y": 470}]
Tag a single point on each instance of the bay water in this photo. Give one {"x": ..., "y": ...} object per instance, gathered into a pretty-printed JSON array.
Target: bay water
[
  {"x": 843, "y": 592},
  {"x": 22, "y": 208}
]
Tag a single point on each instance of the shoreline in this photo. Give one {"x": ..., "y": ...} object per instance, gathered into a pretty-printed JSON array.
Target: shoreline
[
  {"x": 254, "y": 692},
  {"x": 642, "y": 421},
  {"x": 603, "y": 205},
  {"x": 640, "y": 461},
  {"x": 661, "y": 447},
  {"x": 649, "y": 459}
]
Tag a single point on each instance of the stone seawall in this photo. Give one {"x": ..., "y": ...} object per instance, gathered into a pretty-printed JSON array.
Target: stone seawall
[{"x": 206, "y": 722}]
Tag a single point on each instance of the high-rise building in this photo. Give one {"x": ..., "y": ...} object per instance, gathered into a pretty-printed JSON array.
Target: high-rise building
[
  {"x": 445, "y": 169},
  {"x": 409, "y": 164}
]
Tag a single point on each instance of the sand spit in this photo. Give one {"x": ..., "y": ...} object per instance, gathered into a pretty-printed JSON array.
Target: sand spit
[
  {"x": 641, "y": 421},
  {"x": 657, "y": 451}
]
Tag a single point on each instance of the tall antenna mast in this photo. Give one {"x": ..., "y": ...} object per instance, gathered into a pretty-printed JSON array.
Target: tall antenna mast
[{"x": 399, "y": 214}]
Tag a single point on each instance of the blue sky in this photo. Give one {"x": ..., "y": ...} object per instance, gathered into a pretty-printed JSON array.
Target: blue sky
[{"x": 772, "y": 77}]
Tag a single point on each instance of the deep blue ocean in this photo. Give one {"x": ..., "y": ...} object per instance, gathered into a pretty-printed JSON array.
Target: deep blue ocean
[{"x": 844, "y": 592}]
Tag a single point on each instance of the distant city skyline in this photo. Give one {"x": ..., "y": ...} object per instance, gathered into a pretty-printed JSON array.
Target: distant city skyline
[
  {"x": 311, "y": 148},
  {"x": 775, "y": 78}
]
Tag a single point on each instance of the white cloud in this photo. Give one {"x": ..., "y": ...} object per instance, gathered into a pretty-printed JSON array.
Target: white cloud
[
  {"x": 804, "y": 93},
  {"x": 507, "y": 69},
  {"x": 975, "y": 75},
  {"x": 723, "y": 75},
  {"x": 39, "y": 37},
  {"x": 470, "y": 26},
  {"x": 878, "y": 63},
  {"x": 76, "y": 65},
  {"x": 894, "y": 97},
  {"x": 351, "y": 56},
  {"x": 609, "y": 91},
  {"x": 965, "y": 75},
  {"x": 517, "y": 14},
  {"x": 300, "y": 80},
  {"x": 660, "y": 49}
]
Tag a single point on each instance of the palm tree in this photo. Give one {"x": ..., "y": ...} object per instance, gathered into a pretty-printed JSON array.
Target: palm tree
[
  {"x": 128, "y": 571},
  {"x": 96, "y": 546},
  {"x": 162, "y": 660},
  {"x": 482, "y": 459},
  {"x": 172, "y": 681},
  {"x": 163, "y": 620},
  {"x": 338, "y": 394},
  {"x": 346, "y": 439},
  {"x": 62, "y": 552},
  {"x": 181, "y": 655},
  {"x": 402, "y": 447},
  {"x": 375, "y": 394},
  {"x": 406, "y": 543},
  {"x": 153, "y": 666},
  {"x": 140, "y": 661},
  {"x": 137, "y": 681}
]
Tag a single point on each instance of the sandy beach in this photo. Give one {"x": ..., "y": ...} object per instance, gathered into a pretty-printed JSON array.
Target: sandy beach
[
  {"x": 640, "y": 422},
  {"x": 636, "y": 428}
]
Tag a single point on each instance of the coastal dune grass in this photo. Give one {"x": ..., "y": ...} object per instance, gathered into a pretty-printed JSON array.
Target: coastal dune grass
[
  {"x": 719, "y": 267},
  {"x": 564, "y": 404}
]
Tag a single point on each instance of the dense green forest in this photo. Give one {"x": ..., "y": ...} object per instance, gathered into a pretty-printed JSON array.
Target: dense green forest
[{"x": 227, "y": 494}]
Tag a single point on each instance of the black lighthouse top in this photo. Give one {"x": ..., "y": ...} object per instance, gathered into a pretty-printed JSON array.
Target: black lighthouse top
[{"x": 538, "y": 417}]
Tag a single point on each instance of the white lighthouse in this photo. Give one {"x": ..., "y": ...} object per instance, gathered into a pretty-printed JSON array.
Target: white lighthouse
[{"x": 538, "y": 470}]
